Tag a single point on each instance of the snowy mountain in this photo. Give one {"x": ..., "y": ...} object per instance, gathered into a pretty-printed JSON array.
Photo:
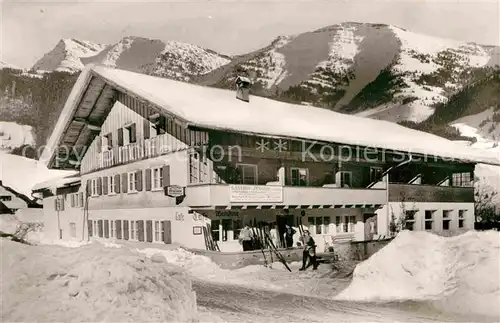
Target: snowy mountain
[
  {"x": 376, "y": 70},
  {"x": 154, "y": 57},
  {"x": 67, "y": 56}
]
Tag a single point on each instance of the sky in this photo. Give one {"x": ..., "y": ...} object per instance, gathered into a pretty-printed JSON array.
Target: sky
[{"x": 29, "y": 29}]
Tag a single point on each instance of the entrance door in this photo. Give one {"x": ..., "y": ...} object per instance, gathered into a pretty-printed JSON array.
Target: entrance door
[{"x": 370, "y": 221}]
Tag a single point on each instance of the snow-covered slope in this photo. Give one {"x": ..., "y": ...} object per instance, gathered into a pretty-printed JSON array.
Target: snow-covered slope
[
  {"x": 7, "y": 65},
  {"x": 380, "y": 70},
  {"x": 138, "y": 54},
  {"x": 67, "y": 55},
  {"x": 21, "y": 174},
  {"x": 14, "y": 135}
]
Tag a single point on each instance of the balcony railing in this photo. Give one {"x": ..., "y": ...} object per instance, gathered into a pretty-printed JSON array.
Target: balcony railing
[
  {"x": 213, "y": 195},
  {"x": 430, "y": 193},
  {"x": 147, "y": 148}
]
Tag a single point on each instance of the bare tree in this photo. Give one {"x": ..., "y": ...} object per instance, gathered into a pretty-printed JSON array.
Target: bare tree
[
  {"x": 485, "y": 210},
  {"x": 400, "y": 221}
]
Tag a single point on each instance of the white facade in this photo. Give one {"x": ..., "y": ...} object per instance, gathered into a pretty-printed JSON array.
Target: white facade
[{"x": 440, "y": 218}]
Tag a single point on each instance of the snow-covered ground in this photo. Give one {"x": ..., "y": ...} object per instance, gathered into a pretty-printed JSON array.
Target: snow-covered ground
[
  {"x": 14, "y": 135},
  {"x": 461, "y": 273},
  {"x": 116, "y": 281}
]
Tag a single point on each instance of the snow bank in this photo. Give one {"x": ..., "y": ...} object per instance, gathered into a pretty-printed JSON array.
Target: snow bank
[
  {"x": 461, "y": 274},
  {"x": 14, "y": 135},
  {"x": 91, "y": 284}
]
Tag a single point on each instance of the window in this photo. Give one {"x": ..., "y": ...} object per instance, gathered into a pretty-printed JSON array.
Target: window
[
  {"x": 248, "y": 173},
  {"x": 446, "y": 219},
  {"x": 198, "y": 168},
  {"x": 111, "y": 185},
  {"x": 133, "y": 231},
  {"x": 461, "y": 218},
  {"x": 111, "y": 229},
  {"x": 300, "y": 176},
  {"x": 376, "y": 174},
  {"x": 132, "y": 177},
  {"x": 94, "y": 191},
  {"x": 319, "y": 225},
  {"x": 429, "y": 218},
  {"x": 345, "y": 179},
  {"x": 194, "y": 168},
  {"x": 346, "y": 224},
  {"x": 72, "y": 229},
  {"x": 156, "y": 178},
  {"x": 158, "y": 231},
  {"x": 95, "y": 229},
  {"x": 77, "y": 199},
  {"x": 6, "y": 198},
  {"x": 410, "y": 220},
  {"x": 129, "y": 134},
  {"x": 462, "y": 179},
  {"x": 107, "y": 142}
]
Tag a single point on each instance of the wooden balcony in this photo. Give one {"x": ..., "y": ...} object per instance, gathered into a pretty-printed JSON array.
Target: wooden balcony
[
  {"x": 430, "y": 193},
  {"x": 147, "y": 148},
  {"x": 266, "y": 196}
]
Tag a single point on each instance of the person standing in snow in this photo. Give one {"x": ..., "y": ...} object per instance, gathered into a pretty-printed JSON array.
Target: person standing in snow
[
  {"x": 309, "y": 251},
  {"x": 245, "y": 238},
  {"x": 289, "y": 232}
]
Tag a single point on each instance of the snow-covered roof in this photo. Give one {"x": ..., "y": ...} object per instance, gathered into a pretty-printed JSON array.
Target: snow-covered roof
[
  {"x": 57, "y": 182},
  {"x": 213, "y": 108},
  {"x": 21, "y": 174}
]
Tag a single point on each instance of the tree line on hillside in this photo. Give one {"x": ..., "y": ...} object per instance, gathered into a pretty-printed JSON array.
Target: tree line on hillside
[{"x": 35, "y": 100}]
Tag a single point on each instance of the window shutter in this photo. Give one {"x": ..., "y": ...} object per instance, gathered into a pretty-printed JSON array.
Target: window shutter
[
  {"x": 105, "y": 185},
  {"x": 81, "y": 199},
  {"x": 110, "y": 140},
  {"x": 61, "y": 203},
  {"x": 120, "y": 137},
  {"x": 106, "y": 228},
  {"x": 149, "y": 231},
  {"x": 56, "y": 204},
  {"x": 89, "y": 187},
  {"x": 72, "y": 200},
  {"x": 140, "y": 227},
  {"x": 99, "y": 186},
  {"x": 166, "y": 176},
  {"x": 133, "y": 133},
  {"x": 99, "y": 144},
  {"x": 162, "y": 125},
  {"x": 124, "y": 182},
  {"x": 147, "y": 129},
  {"x": 167, "y": 232},
  {"x": 90, "y": 228},
  {"x": 138, "y": 180},
  {"x": 117, "y": 183},
  {"x": 148, "y": 179},
  {"x": 118, "y": 225},
  {"x": 125, "y": 230},
  {"x": 100, "y": 228}
]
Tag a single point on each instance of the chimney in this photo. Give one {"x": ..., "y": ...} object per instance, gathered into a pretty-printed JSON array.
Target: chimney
[{"x": 243, "y": 88}]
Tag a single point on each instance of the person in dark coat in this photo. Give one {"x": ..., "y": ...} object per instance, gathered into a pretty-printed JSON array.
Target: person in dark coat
[
  {"x": 289, "y": 232},
  {"x": 245, "y": 238},
  {"x": 309, "y": 252},
  {"x": 281, "y": 226}
]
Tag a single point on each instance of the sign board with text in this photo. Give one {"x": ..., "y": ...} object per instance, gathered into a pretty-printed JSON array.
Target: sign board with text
[
  {"x": 255, "y": 194},
  {"x": 174, "y": 191}
]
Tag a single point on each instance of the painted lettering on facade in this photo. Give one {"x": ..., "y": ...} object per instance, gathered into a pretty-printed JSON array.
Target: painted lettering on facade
[{"x": 255, "y": 193}]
